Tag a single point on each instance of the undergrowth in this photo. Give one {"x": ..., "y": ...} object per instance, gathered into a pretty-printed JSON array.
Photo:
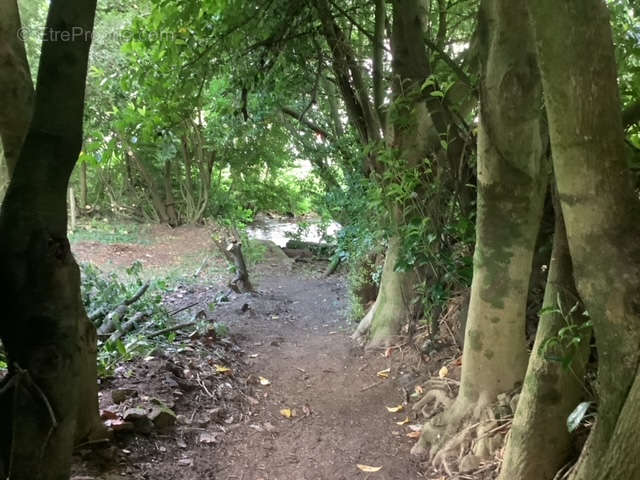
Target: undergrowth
[{"x": 103, "y": 292}]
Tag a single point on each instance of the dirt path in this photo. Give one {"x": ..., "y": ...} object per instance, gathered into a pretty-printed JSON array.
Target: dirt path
[{"x": 295, "y": 335}]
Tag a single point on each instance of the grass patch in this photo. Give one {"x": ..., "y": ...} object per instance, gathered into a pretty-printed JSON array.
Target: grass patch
[{"x": 106, "y": 232}]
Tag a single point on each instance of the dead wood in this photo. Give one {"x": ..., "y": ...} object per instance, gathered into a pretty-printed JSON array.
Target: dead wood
[{"x": 114, "y": 318}]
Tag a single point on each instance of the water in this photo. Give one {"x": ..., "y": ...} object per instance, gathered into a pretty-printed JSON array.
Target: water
[{"x": 280, "y": 231}]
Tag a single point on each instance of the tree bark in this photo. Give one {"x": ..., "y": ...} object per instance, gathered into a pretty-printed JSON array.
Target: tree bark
[
  {"x": 512, "y": 179},
  {"x": 170, "y": 202},
  {"x": 576, "y": 58},
  {"x": 156, "y": 200},
  {"x": 83, "y": 186},
  {"x": 540, "y": 443},
  {"x": 49, "y": 398},
  {"x": 16, "y": 86},
  {"x": 392, "y": 309}
]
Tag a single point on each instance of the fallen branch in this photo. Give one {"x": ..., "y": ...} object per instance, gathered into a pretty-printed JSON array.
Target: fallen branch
[
  {"x": 202, "y": 266},
  {"x": 127, "y": 326},
  {"x": 113, "y": 319},
  {"x": 182, "y": 309},
  {"x": 171, "y": 329}
]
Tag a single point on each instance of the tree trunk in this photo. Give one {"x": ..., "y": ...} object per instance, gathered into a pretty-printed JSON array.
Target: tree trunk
[
  {"x": 83, "y": 186},
  {"x": 540, "y": 443},
  {"x": 392, "y": 309},
  {"x": 156, "y": 200},
  {"x": 170, "y": 203},
  {"x": 576, "y": 58},
  {"x": 511, "y": 184},
  {"x": 49, "y": 398},
  {"x": 16, "y": 86},
  {"x": 72, "y": 210}
]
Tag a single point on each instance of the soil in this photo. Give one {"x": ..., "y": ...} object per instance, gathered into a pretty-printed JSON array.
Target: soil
[
  {"x": 320, "y": 411},
  {"x": 164, "y": 248}
]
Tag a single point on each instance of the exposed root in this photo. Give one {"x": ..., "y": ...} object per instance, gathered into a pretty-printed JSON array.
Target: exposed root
[
  {"x": 438, "y": 397},
  {"x": 362, "y": 332},
  {"x": 463, "y": 438}
]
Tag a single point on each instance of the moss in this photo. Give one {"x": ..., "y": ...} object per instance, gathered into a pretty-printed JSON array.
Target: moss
[{"x": 475, "y": 340}]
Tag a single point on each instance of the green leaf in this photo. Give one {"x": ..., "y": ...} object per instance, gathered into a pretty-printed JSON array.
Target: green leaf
[{"x": 575, "y": 418}]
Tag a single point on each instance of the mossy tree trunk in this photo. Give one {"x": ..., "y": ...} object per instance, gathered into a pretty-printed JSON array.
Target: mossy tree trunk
[
  {"x": 49, "y": 398},
  {"x": 383, "y": 323},
  {"x": 576, "y": 58},
  {"x": 410, "y": 144},
  {"x": 540, "y": 443},
  {"x": 512, "y": 179}
]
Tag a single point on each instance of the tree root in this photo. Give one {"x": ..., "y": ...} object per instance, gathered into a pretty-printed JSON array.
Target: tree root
[
  {"x": 463, "y": 436},
  {"x": 439, "y": 398},
  {"x": 361, "y": 335}
]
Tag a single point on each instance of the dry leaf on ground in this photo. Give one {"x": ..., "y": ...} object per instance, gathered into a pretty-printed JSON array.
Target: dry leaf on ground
[
  {"x": 287, "y": 413},
  {"x": 368, "y": 468},
  {"x": 222, "y": 369}
]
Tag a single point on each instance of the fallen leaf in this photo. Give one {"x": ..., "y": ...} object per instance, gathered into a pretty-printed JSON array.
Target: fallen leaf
[
  {"x": 306, "y": 409},
  {"x": 222, "y": 369},
  {"x": 367, "y": 468},
  {"x": 264, "y": 381},
  {"x": 444, "y": 371},
  {"x": 388, "y": 352},
  {"x": 413, "y": 434},
  {"x": 399, "y": 408},
  {"x": 287, "y": 413},
  {"x": 253, "y": 355},
  {"x": 415, "y": 428},
  {"x": 419, "y": 390},
  {"x": 384, "y": 373},
  {"x": 403, "y": 422}
]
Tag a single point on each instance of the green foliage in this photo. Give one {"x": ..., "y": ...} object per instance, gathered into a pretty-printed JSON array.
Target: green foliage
[
  {"x": 103, "y": 292},
  {"x": 563, "y": 346},
  {"x": 111, "y": 354}
]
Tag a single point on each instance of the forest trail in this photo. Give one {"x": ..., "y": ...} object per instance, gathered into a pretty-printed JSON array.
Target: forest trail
[
  {"x": 297, "y": 330},
  {"x": 293, "y": 332}
]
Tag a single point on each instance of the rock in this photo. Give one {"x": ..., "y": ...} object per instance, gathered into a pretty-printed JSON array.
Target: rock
[
  {"x": 119, "y": 395},
  {"x": 134, "y": 414},
  {"x": 141, "y": 422},
  {"x": 162, "y": 417},
  {"x": 469, "y": 463},
  {"x": 163, "y": 403}
]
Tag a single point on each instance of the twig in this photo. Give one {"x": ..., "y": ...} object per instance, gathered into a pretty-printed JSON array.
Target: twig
[
  {"x": 368, "y": 387},
  {"x": 171, "y": 329},
  {"x": 182, "y": 309}
]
